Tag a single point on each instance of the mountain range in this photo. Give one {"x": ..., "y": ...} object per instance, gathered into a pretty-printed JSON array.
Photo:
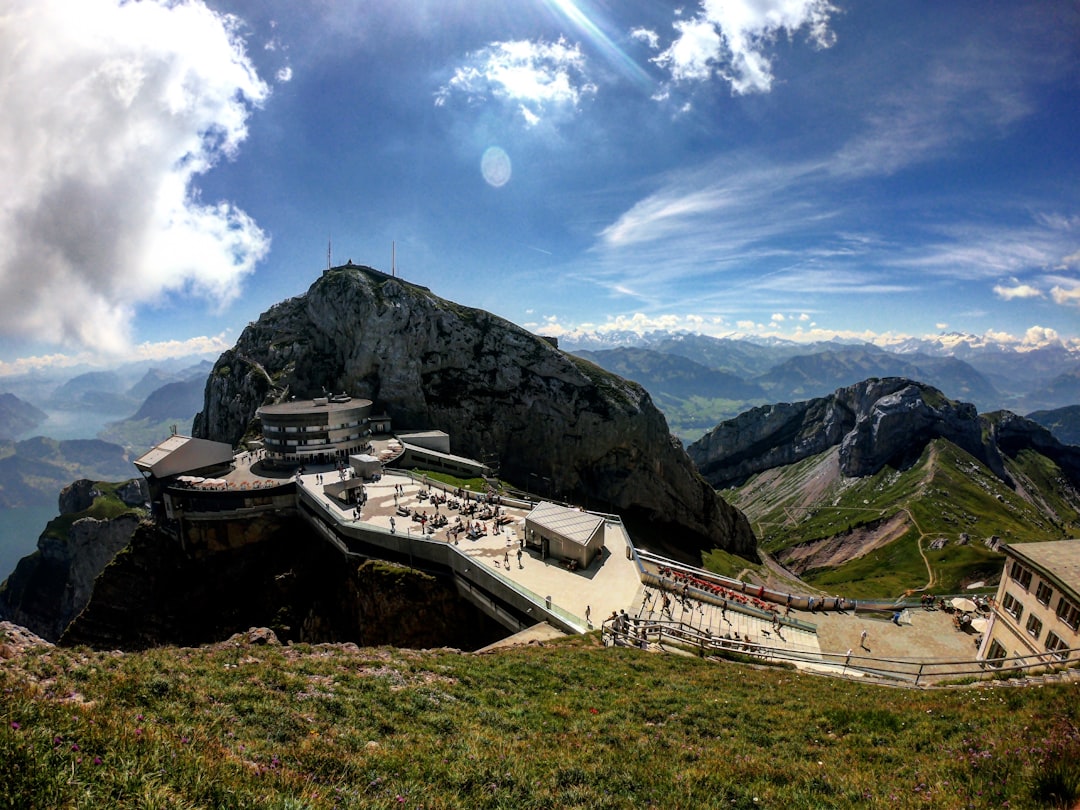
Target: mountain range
[{"x": 699, "y": 380}]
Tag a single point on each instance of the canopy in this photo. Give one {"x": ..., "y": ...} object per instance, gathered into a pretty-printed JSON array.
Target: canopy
[
  {"x": 962, "y": 603},
  {"x": 980, "y": 624}
]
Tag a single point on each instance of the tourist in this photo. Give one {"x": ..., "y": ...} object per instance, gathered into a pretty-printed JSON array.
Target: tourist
[{"x": 862, "y": 639}]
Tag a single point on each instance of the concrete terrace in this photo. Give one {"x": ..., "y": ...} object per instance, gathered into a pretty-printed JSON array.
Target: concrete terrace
[{"x": 611, "y": 582}]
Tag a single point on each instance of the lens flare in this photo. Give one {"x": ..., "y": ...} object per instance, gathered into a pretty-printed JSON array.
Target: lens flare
[{"x": 495, "y": 166}]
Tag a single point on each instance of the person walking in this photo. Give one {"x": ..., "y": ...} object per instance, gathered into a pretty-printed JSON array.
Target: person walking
[{"x": 862, "y": 639}]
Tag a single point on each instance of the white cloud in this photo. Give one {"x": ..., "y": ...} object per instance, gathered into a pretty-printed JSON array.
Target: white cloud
[
  {"x": 208, "y": 345},
  {"x": 650, "y": 38},
  {"x": 1016, "y": 291},
  {"x": 730, "y": 38},
  {"x": 534, "y": 77},
  {"x": 777, "y": 317},
  {"x": 1040, "y": 336},
  {"x": 111, "y": 111},
  {"x": 1066, "y": 293},
  {"x": 284, "y": 74}
]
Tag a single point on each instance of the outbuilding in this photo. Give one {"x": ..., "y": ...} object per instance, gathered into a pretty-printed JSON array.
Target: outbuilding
[{"x": 564, "y": 533}]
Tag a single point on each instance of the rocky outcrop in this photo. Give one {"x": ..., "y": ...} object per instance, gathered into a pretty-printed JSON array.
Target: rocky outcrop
[
  {"x": 504, "y": 395},
  {"x": 267, "y": 571},
  {"x": 874, "y": 423},
  {"x": 51, "y": 586}
]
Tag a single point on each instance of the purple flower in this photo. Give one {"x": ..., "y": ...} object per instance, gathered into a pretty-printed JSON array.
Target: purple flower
[
  {"x": 15, "y": 726},
  {"x": 74, "y": 746},
  {"x": 97, "y": 760}
]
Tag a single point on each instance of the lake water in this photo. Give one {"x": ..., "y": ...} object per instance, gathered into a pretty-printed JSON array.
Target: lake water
[
  {"x": 19, "y": 532},
  {"x": 74, "y": 424}
]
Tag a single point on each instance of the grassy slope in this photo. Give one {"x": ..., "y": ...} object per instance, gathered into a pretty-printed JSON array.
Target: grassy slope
[
  {"x": 564, "y": 725},
  {"x": 946, "y": 494}
]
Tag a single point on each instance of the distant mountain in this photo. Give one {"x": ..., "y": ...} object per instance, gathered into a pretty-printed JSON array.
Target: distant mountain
[
  {"x": 815, "y": 375},
  {"x": 1061, "y": 391},
  {"x": 18, "y": 417},
  {"x": 692, "y": 396},
  {"x": 33, "y": 471},
  {"x": 1064, "y": 423},
  {"x": 887, "y": 485},
  {"x": 172, "y": 405}
]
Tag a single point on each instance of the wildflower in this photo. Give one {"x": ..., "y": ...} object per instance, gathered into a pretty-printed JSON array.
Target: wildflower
[
  {"x": 74, "y": 746},
  {"x": 15, "y": 725},
  {"x": 97, "y": 760}
]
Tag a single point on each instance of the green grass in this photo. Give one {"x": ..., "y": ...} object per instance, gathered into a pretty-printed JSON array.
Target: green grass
[
  {"x": 106, "y": 506},
  {"x": 945, "y": 494},
  {"x": 564, "y": 725},
  {"x": 472, "y": 484}
]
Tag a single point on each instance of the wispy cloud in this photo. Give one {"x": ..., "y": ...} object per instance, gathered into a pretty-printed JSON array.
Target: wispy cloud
[
  {"x": 533, "y": 77},
  {"x": 111, "y": 112}
]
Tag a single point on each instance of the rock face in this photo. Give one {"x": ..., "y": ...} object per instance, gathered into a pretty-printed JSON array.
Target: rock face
[
  {"x": 267, "y": 571},
  {"x": 51, "y": 587},
  {"x": 504, "y": 396},
  {"x": 874, "y": 423}
]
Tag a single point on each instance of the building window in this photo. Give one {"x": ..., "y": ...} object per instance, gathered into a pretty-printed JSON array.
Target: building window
[
  {"x": 1012, "y": 606},
  {"x": 1034, "y": 626},
  {"x": 995, "y": 654},
  {"x": 1043, "y": 593},
  {"x": 1021, "y": 575},
  {"x": 1068, "y": 612},
  {"x": 1056, "y": 645}
]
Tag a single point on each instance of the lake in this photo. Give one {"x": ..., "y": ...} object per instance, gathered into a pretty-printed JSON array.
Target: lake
[{"x": 19, "y": 532}]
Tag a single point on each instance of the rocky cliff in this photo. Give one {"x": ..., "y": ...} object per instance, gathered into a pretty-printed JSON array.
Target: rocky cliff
[
  {"x": 51, "y": 586},
  {"x": 873, "y": 423},
  {"x": 504, "y": 396},
  {"x": 266, "y": 570}
]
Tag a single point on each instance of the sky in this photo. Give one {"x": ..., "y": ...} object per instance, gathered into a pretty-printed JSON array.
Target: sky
[{"x": 796, "y": 168}]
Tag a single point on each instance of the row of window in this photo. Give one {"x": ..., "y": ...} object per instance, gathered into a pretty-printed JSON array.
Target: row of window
[
  {"x": 1066, "y": 610},
  {"x": 1055, "y": 645},
  {"x": 311, "y": 428}
]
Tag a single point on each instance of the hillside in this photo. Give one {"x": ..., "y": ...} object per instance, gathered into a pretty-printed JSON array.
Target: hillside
[
  {"x": 18, "y": 417},
  {"x": 565, "y": 724},
  {"x": 1064, "y": 423},
  {"x": 889, "y": 486},
  {"x": 33, "y": 471}
]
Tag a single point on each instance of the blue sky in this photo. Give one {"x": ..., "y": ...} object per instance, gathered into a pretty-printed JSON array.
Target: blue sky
[{"x": 789, "y": 167}]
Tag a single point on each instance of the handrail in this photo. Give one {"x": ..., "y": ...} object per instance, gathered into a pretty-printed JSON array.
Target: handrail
[{"x": 901, "y": 670}]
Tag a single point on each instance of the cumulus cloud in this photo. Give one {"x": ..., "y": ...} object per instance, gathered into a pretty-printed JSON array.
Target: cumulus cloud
[
  {"x": 532, "y": 76},
  {"x": 284, "y": 74},
  {"x": 1016, "y": 291},
  {"x": 730, "y": 38},
  {"x": 650, "y": 38},
  {"x": 111, "y": 111}
]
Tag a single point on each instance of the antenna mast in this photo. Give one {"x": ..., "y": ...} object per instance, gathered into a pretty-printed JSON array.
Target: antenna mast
[
  {"x": 329, "y": 249},
  {"x": 393, "y": 259}
]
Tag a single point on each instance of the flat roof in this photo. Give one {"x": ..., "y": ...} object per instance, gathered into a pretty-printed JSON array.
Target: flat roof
[
  {"x": 573, "y": 524},
  {"x": 180, "y": 454},
  {"x": 1058, "y": 558},
  {"x": 310, "y": 406}
]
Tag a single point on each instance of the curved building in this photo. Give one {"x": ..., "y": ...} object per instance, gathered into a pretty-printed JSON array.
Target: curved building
[{"x": 315, "y": 431}]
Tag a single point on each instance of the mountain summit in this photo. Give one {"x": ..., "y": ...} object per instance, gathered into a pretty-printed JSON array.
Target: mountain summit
[{"x": 549, "y": 422}]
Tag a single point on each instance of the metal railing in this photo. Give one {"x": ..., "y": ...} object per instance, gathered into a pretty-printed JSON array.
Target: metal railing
[{"x": 904, "y": 671}]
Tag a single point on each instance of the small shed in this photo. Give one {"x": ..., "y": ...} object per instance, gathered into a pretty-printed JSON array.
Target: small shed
[
  {"x": 365, "y": 466},
  {"x": 564, "y": 533}
]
